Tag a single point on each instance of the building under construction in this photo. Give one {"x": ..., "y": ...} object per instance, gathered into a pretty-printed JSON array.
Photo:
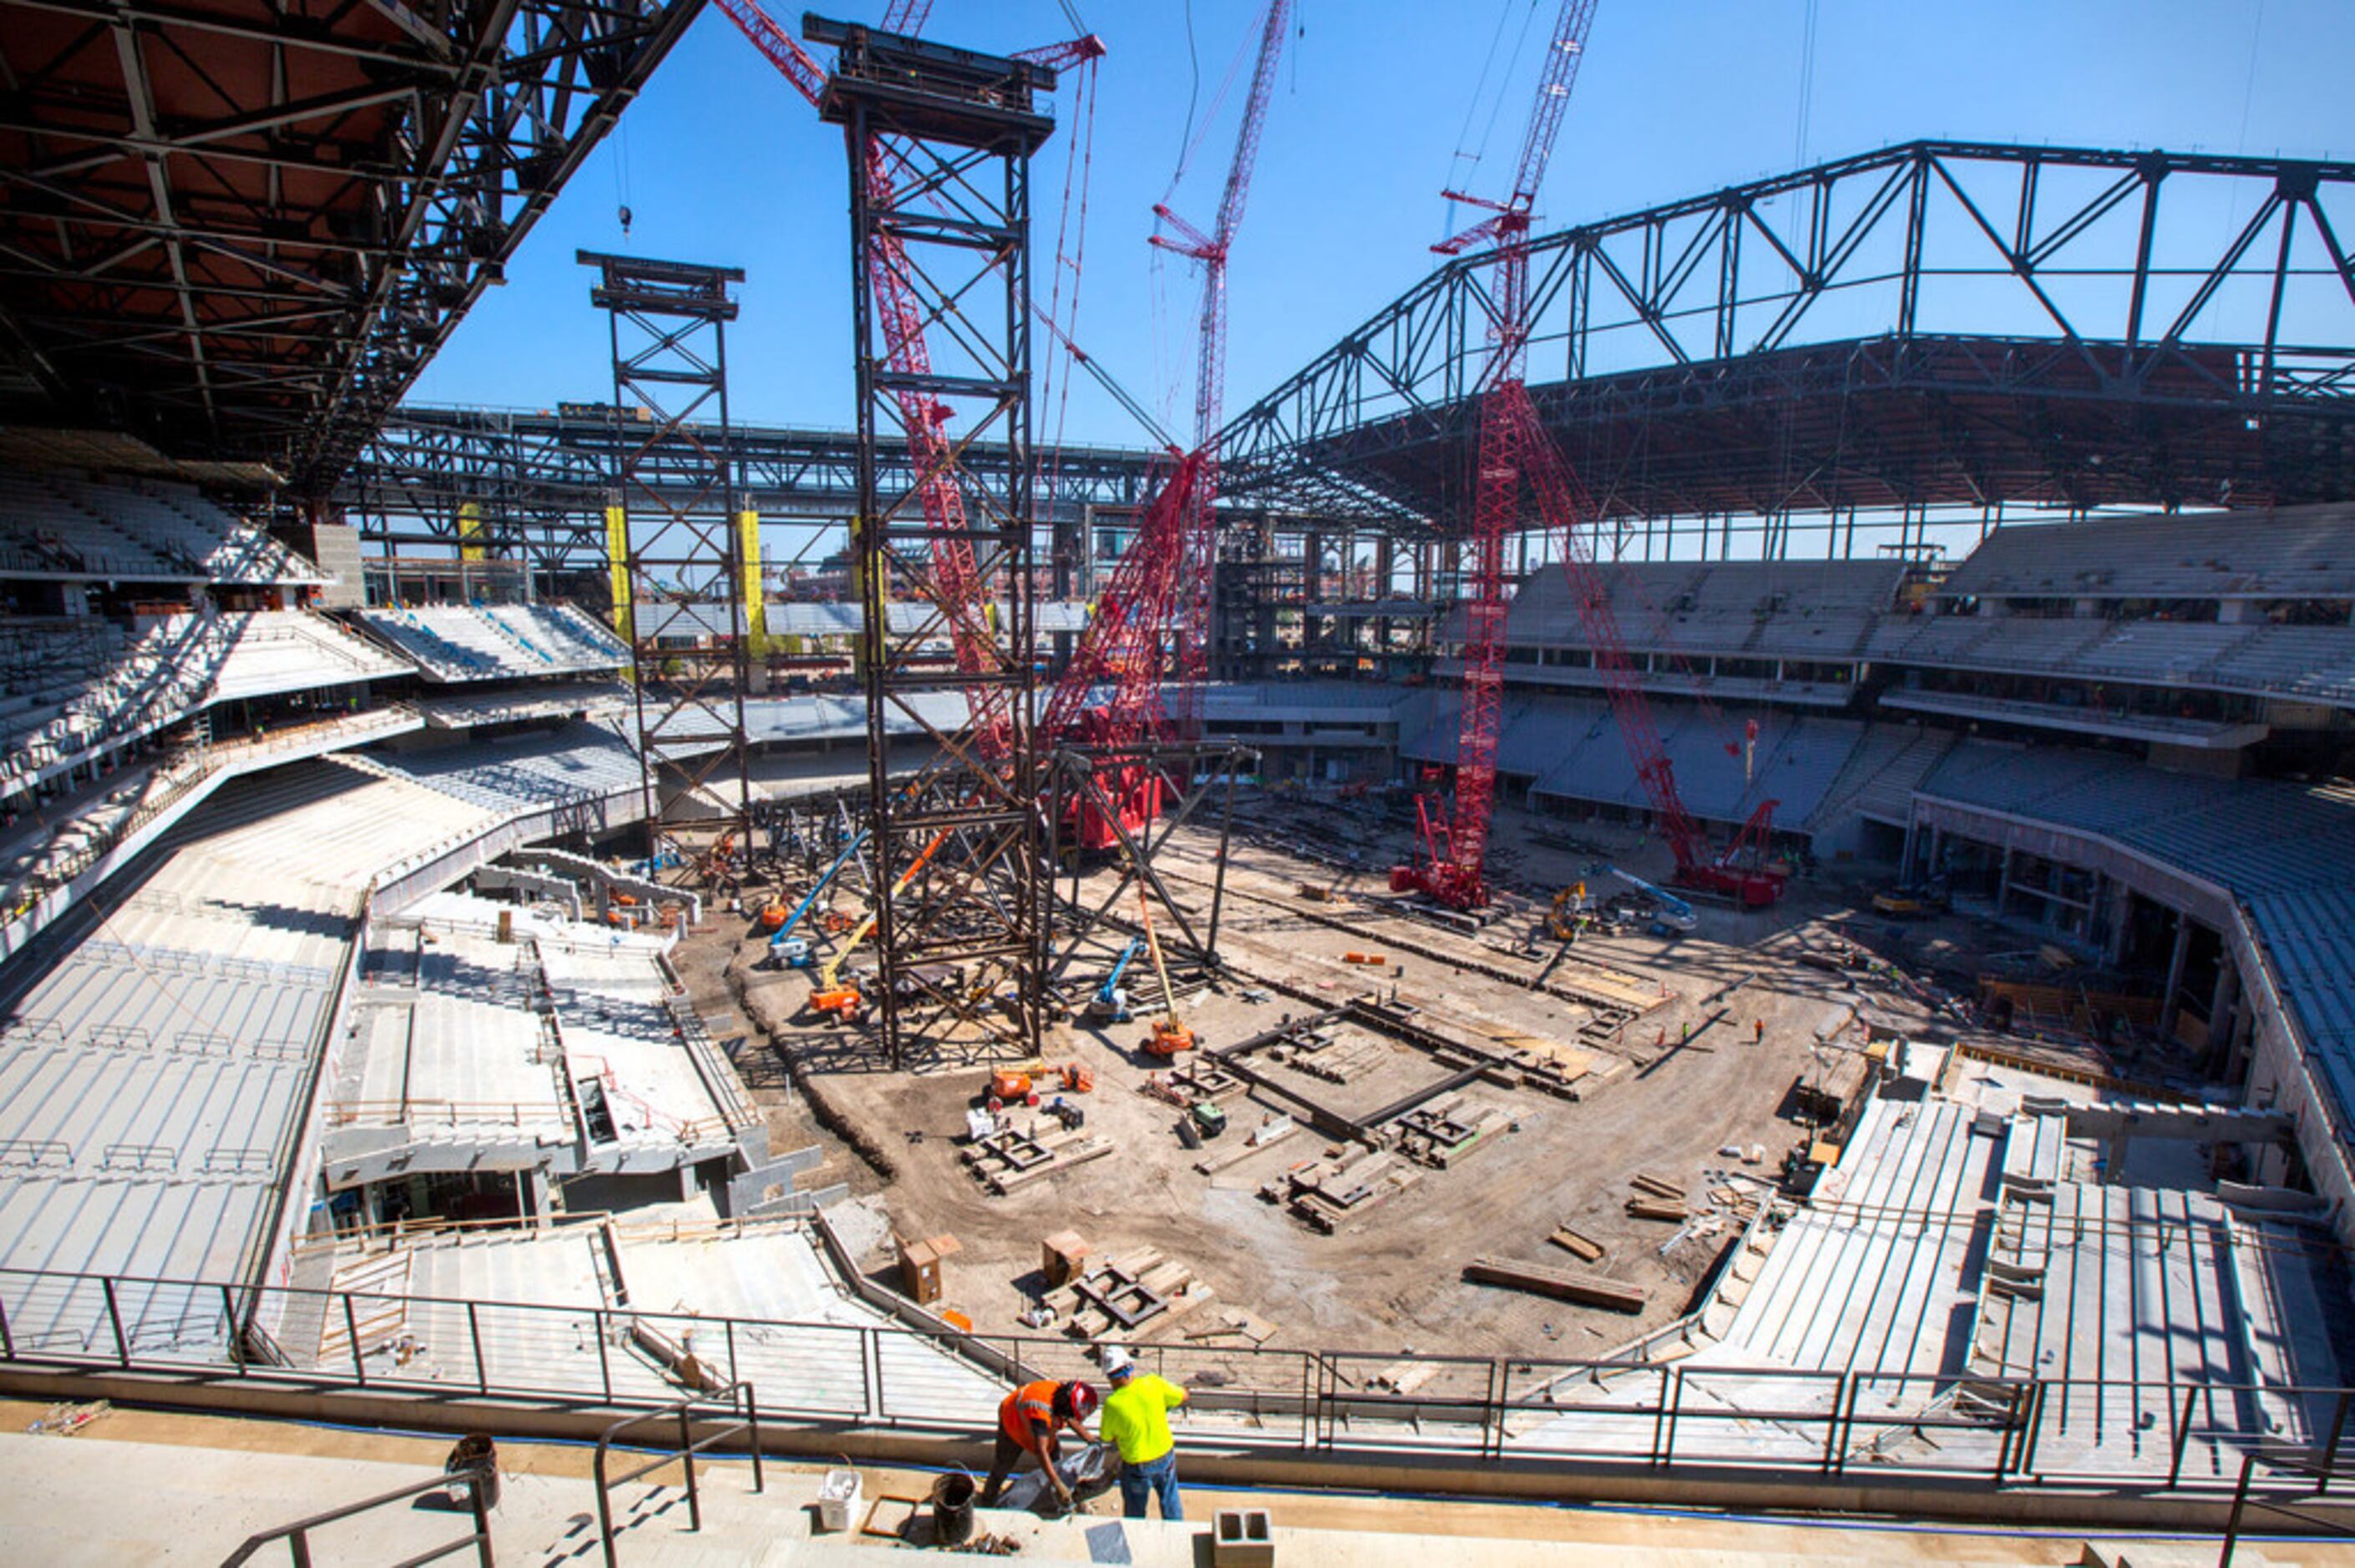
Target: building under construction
[{"x": 1709, "y": 864}]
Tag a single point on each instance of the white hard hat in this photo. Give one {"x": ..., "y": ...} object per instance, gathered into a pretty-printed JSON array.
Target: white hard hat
[{"x": 1117, "y": 1362}]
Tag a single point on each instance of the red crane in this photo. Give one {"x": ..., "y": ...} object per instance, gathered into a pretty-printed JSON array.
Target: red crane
[
  {"x": 957, "y": 590},
  {"x": 1514, "y": 446},
  {"x": 1157, "y": 601},
  {"x": 1198, "y": 554}
]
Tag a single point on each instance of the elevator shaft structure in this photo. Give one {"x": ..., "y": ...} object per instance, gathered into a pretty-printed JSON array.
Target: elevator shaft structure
[{"x": 940, "y": 141}]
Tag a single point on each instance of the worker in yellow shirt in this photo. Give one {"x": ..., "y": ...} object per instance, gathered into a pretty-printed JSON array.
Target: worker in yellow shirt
[{"x": 1136, "y": 1420}]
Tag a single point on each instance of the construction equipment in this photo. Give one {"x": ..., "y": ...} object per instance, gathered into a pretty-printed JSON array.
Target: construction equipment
[
  {"x": 783, "y": 945},
  {"x": 828, "y": 997},
  {"x": 1155, "y": 611},
  {"x": 1669, "y": 910},
  {"x": 1572, "y": 912},
  {"x": 1170, "y": 1035},
  {"x": 1110, "y": 1003},
  {"x": 1515, "y": 446}
]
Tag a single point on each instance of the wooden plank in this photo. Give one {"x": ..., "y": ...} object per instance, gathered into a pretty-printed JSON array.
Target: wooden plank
[
  {"x": 1587, "y": 1289},
  {"x": 1570, "y": 1241},
  {"x": 1655, "y": 1209},
  {"x": 1657, "y": 1187}
]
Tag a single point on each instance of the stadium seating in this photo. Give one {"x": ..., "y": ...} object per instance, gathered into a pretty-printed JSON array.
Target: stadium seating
[
  {"x": 490, "y": 642},
  {"x": 2291, "y": 553},
  {"x": 175, "y": 522},
  {"x": 54, "y": 713}
]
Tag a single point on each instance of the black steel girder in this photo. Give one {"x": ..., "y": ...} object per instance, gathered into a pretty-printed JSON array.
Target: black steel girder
[{"x": 239, "y": 228}]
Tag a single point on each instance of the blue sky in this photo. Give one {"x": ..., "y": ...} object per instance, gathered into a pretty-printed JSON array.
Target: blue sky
[{"x": 720, "y": 161}]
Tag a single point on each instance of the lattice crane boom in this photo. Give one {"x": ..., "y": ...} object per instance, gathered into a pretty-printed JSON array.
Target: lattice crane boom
[
  {"x": 1198, "y": 558},
  {"x": 1452, "y": 867}
]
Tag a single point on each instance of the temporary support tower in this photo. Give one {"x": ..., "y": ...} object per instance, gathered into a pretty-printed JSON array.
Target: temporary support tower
[
  {"x": 961, "y": 937},
  {"x": 677, "y": 542}
]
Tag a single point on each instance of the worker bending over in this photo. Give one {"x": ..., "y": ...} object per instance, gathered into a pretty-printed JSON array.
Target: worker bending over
[
  {"x": 1137, "y": 1419},
  {"x": 1027, "y": 1420}
]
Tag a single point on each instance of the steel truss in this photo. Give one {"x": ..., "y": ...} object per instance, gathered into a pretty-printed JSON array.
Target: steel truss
[
  {"x": 536, "y": 482},
  {"x": 1092, "y": 926},
  {"x": 940, "y": 143},
  {"x": 1938, "y": 323},
  {"x": 677, "y": 549},
  {"x": 261, "y": 275}
]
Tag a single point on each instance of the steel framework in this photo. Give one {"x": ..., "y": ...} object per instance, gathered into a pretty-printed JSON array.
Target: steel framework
[
  {"x": 1937, "y": 323},
  {"x": 940, "y": 143},
  {"x": 241, "y": 231},
  {"x": 537, "y": 482},
  {"x": 676, "y": 549}
]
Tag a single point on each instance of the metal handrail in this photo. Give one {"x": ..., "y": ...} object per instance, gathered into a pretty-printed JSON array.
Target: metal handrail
[
  {"x": 688, "y": 1447},
  {"x": 297, "y": 1535}
]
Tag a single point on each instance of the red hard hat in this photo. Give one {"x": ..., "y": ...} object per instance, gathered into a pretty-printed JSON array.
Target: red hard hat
[{"x": 1075, "y": 1401}]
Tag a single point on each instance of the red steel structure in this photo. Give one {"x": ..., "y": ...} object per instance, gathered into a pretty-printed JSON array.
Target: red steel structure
[
  {"x": 1514, "y": 446},
  {"x": 1455, "y": 852},
  {"x": 1156, "y": 607},
  {"x": 1190, "y": 621}
]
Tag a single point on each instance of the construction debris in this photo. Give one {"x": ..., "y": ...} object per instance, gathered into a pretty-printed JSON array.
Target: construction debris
[
  {"x": 1327, "y": 1192},
  {"x": 1012, "y": 1157},
  {"x": 1570, "y": 1241},
  {"x": 1440, "y": 1134},
  {"x": 1136, "y": 1291},
  {"x": 1587, "y": 1289},
  {"x": 1657, "y": 1209}
]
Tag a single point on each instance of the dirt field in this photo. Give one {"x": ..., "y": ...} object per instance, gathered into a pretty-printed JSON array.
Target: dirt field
[{"x": 1613, "y": 1014}]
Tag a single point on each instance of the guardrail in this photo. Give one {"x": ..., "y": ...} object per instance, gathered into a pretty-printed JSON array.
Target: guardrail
[
  {"x": 297, "y": 1535},
  {"x": 2160, "y": 1437},
  {"x": 732, "y": 1399}
]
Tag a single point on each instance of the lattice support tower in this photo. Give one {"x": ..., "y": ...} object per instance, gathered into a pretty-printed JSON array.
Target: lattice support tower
[
  {"x": 940, "y": 141},
  {"x": 677, "y": 540}
]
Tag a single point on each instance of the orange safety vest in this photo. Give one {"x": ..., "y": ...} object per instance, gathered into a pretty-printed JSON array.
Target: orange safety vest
[{"x": 1033, "y": 1401}]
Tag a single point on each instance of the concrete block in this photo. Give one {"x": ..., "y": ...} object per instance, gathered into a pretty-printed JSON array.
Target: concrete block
[{"x": 1242, "y": 1538}]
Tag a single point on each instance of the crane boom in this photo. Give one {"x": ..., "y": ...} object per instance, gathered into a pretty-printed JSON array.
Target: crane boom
[
  {"x": 1158, "y": 595},
  {"x": 1452, "y": 866},
  {"x": 1189, "y": 622}
]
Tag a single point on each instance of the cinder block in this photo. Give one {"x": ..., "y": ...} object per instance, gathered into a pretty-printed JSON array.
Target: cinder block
[{"x": 1242, "y": 1538}]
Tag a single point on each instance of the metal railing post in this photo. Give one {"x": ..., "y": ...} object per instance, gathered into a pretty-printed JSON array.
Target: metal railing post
[
  {"x": 299, "y": 1543},
  {"x": 474, "y": 1335},
  {"x": 604, "y": 1509},
  {"x": 605, "y": 1362},
  {"x": 235, "y": 1341},
  {"x": 2182, "y": 1436},
  {"x": 1833, "y": 1448},
  {"x": 752, "y": 1416},
  {"x": 114, "y": 1317},
  {"x": 2042, "y": 1394},
  {"x": 686, "y": 1446},
  {"x": 2330, "y": 1449},
  {"x": 352, "y": 1331},
  {"x": 8, "y": 1336},
  {"x": 482, "y": 1515},
  {"x": 730, "y": 1326},
  {"x": 1660, "y": 1414}
]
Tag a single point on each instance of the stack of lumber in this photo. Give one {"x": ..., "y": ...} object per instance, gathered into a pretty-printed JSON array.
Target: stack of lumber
[
  {"x": 1235, "y": 1325},
  {"x": 1133, "y": 1293},
  {"x": 1012, "y": 1157},
  {"x": 1447, "y": 1132},
  {"x": 1326, "y": 1194},
  {"x": 1656, "y": 1199},
  {"x": 1586, "y": 1289},
  {"x": 1339, "y": 1063}
]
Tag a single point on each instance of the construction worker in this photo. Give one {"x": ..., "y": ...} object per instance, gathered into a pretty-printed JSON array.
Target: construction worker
[
  {"x": 1758, "y": 1032},
  {"x": 1136, "y": 1420},
  {"x": 1027, "y": 1420}
]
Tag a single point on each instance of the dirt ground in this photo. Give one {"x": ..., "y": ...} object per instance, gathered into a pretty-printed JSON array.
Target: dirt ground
[{"x": 1650, "y": 1101}]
